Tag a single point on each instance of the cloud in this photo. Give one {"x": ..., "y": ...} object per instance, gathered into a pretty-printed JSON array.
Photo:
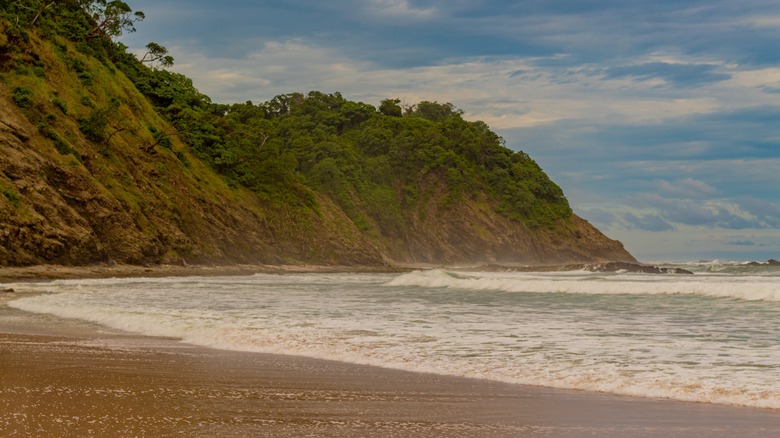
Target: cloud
[
  {"x": 678, "y": 75},
  {"x": 740, "y": 243},
  {"x": 399, "y": 9},
  {"x": 647, "y": 222},
  {"x": 771, "y": 21},
  {"x": 687, "y": 187},
  {"x": 652, "y": 212},
  {"x": 765, "y": 211}
]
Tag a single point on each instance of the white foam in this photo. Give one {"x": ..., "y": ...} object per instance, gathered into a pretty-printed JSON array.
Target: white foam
[
  {"x": 747, "y": 288},
  {"x": 653, "y": 336}
]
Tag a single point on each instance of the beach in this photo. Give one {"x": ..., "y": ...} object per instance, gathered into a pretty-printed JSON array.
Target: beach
[{"x": 70, "y": 378}]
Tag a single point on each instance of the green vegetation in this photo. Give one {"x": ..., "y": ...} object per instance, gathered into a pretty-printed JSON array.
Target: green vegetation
[
  {"x": 23, "y": 96},
  {"x": 10, "y": 195},
  {"x": 373, "y": 163},
  {"x": 300, "y": 154}
]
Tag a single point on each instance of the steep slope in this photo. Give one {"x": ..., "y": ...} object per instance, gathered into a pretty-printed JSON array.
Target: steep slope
[
  {"x": 94, "y": 170},
  {"x": 75, "y": 200}
]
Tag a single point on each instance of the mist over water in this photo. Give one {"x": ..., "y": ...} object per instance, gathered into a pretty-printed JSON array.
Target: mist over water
[{"x": 710, "y": 337}]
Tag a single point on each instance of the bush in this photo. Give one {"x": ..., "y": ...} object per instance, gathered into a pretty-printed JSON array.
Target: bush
[
  {"x": 94, "y": 126},
  {"x": 60, "y": 105},
  {"x": 182, "y": 158},
  {"x": 23, "y": 96}
]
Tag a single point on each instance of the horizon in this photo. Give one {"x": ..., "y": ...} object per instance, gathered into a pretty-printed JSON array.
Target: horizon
[{"x": 659, "y": 120}]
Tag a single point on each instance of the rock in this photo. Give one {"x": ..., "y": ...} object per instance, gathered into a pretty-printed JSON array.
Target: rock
[
  {"x": 634, "y": 268},
  {"x": 773, "y": 262},
  {"x": 8, "y": 290}
]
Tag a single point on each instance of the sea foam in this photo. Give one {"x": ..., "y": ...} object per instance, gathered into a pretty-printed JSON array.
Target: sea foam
[
  {"x": 747, "y": 288},
  {"x": 643, "y": 335}
]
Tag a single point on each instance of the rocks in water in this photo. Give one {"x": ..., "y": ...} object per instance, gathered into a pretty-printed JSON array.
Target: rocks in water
[
  {"x": 7, "y": 291},
  {"x": 619, "y": 267},
  {"x": 770, "y": 262},
  {"x": 635, "y": 268}
]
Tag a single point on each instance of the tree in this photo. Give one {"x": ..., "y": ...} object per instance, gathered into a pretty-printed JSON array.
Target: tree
[
  {"x": 43, "y": 7},
  {"x": 435, "y": 111},
  {"x": 112, "y": 18},
  {"x": 391, "y": 107},
  {"x": 157, "y": 53}
]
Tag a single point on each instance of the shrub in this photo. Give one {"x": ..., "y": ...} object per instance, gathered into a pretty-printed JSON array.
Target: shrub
[
  {"x": 60, "y": 105},
  {"x": 183, "y": 158},
  {"x": 23, "y": 96},
  {"x": 85, "y": 77},
  {"x": 94, "y": 126}
]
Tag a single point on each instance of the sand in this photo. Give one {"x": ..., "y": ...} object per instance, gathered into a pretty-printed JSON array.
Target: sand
[
  {"x": 51, "y": 272},
  {"x": 67, "y": 378}
]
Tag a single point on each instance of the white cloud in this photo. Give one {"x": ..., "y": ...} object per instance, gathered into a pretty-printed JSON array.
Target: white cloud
[
  {"x": 688, "y": 187},
  {"x": 399, "y": 8},
  {"x": 689, "y": 243},
  {"x": 763, "y": 21},
  {"x": 757, "y": 78}
]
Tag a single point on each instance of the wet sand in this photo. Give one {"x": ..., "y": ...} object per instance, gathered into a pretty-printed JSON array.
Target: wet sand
[
  {"x": 51, "y": 272},
  {"x": 67, "y": 378}
]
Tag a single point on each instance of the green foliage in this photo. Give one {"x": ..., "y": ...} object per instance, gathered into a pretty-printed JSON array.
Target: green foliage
[
  {"x": 372, "y": 163},
  {"x": 87, "y": 101},
  {"x": 380, "y": 165},
  {"x": 11, "y": 196},
  {"x": 391, "y": 107},
  {"x": 95, "y": 124},
  {"x": 111, "y": 18},
  {"x": 435, "y": 111},
  {"x": 23, "y": 96},
  {"x": 157, "y": 54},
  {"x": 60, "y": 105},
  {"x": 182, "y": 158}
]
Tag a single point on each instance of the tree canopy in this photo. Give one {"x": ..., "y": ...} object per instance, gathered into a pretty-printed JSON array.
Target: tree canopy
[{"x": 376, "y": 163}]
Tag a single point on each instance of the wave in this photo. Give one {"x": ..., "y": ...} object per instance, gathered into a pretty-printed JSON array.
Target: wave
[
  {"x": 726, "y": 355},
  {"x": 768, "y": 268},
  {"x": 751, "y": 288}
]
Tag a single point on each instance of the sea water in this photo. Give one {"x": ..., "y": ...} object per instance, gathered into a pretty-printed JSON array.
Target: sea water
[{"x": 710, "y": 337}]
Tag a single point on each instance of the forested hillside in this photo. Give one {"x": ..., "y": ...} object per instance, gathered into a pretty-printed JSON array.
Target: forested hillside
[{"x": 108, "y": 157}]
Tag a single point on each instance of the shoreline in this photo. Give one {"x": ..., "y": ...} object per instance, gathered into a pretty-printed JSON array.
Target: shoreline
[
  {"x": 68, "y": 377},
  {"x": 60, "y": 272}
]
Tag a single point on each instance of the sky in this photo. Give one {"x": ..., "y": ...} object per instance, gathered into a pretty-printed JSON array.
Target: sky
[{"x": 660, "y": 119}]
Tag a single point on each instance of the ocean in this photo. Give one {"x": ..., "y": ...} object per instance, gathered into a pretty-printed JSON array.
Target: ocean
[{"x": 711, "y": 337}]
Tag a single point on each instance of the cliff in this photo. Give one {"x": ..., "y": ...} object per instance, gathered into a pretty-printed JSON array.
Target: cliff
[{"x": 103, "y": 159}]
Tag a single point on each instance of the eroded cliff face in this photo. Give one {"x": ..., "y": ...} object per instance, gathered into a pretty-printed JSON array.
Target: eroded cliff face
[
  {"x": 472, "y": 232},
  {"x": 69, "y": 199}
]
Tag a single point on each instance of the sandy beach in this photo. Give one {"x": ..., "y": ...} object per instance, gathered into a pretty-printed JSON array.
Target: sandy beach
[
  {"x": 52, "y": 272},
  {"x": 67, "y": 378}
]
